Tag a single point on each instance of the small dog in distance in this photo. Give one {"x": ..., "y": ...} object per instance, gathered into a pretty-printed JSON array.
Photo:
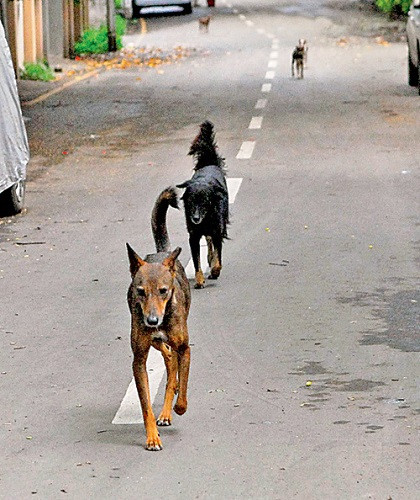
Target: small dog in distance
[
  {"x": 203, "y": 24},
  {"x": 298, "y": 57}
]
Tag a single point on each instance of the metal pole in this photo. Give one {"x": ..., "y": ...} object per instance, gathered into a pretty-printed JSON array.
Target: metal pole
[{"x": 110, "y": 22}]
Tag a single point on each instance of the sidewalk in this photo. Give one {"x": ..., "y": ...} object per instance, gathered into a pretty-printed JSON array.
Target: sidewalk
[{"x": 70, "y": 71}]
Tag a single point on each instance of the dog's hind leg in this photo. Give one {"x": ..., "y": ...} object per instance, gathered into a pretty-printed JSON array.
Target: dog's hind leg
[
  {"x": 183, "y": 371},
  {"x": 293, "y": 68},
  {"x": 195, "y": 252},
  {"x": 210, "y": 253},
  {"x": 171, "y": 363},
  {"x": 216, "y": 265},
  {"x": 153, "y": 442}
]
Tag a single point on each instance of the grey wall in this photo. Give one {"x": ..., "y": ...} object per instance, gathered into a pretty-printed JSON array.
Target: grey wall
[
  {"x": 55, "y": 14},
  {"x": 97, "y": 12}
]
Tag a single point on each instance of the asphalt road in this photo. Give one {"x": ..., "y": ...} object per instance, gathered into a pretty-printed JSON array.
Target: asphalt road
[{"x": 305, "y": 352}]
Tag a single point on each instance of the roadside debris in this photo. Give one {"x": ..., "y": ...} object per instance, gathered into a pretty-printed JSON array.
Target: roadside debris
[{"x": 141, "y": 57}]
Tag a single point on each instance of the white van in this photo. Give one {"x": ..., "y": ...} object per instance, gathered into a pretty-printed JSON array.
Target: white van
[
  {"x": 134, "y": 8},
  {"x": 14, "y": 149}
]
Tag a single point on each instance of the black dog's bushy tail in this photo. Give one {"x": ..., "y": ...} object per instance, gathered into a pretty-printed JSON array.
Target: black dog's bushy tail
[
  {"x": 160, "y": 232},
  {"x": 204, "y": 148}
]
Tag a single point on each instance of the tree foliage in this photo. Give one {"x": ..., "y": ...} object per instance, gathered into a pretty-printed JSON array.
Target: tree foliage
[{"x": 394, "y": 6}]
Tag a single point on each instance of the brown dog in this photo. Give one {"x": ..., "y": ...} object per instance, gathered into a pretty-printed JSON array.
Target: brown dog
[
  {"x": 159, "y": 300},
  {"x": 203, "y": 23}
]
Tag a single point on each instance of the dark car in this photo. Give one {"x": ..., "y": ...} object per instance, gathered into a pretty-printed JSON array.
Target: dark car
[
  {"x": 14, "y": 149},
  {"x": 133, "y": 8},
  {"x": 413, "y": 40}
]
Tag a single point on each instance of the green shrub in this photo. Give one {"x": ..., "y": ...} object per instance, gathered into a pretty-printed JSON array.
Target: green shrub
[
  {"x": 95, "y": 40},
  {"x": 37, "y": 71},
  {"x": 394, "y": 6},
  {"x": 118, "y": 4}
]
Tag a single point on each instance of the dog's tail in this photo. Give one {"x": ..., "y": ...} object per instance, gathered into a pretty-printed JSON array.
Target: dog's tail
[
  {"x": 160, "y": 232},
  {"x": 204, "y": 148}
]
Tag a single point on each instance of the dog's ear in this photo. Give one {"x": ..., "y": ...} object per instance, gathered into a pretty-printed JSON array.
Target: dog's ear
[
  {"x": 184, "y": 184},
  {"x": 135, "y": 261},
  {"x": 170, "y": 260}
]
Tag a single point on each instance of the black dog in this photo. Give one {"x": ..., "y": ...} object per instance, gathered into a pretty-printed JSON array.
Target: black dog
[{"x": 206, "y": 203}]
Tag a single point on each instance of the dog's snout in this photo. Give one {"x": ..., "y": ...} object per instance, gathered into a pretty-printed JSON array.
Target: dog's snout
[{"x": 152, "y": 320}]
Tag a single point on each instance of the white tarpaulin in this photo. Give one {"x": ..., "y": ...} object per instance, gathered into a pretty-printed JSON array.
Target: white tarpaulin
[{"x": 14, "y": 149}]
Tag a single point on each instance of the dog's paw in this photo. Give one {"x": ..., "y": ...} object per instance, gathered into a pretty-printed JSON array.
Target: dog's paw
[
  {"x": 215, "y": 272},
  {"x": 199, "y": 279},
  {"x": 163, "y": 421},
  {"x": 154, "y": 443},
  {"x": 180, "y": 408}
]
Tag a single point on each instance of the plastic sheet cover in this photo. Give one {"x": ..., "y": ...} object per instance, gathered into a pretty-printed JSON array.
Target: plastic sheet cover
[{"x": 14, "y": 149}]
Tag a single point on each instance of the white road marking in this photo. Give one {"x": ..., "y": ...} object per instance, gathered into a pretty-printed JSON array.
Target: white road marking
[
  {"x": 270, "y": 75},
  {"x": 129, "y": 411},
  {"x": 242, "y": 17},
  {"x": 274, "y": 54},
  {"x": 249, "y": 23},
  {"x": 266, "y": 87},
  {"x": 233, "y": 184},
  {"x": 256, "y": 123},
  {"x": 261, "y": 104},
  {"x": 246, "y": 150},
  {"x": 272, "y": 64}
]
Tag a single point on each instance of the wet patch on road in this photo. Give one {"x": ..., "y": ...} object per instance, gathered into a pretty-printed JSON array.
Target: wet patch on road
[
  {"x": 310, "y": 368},
  {"x": 356, "y": 385},
  {"x": 398, "y": 312}
]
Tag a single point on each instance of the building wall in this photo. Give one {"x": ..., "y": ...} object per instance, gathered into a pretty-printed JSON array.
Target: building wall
[
  {"x": 97, "y": 12},
  {"x": 56, "y": 31}
]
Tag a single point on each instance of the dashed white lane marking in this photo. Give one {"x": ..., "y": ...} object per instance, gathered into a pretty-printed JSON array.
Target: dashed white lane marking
[
  {"x": 246, "y": 150},
  {"x": 270, "y": 75},
  {"x": 129, "y": 411},
  {"x": 274, "y": 54},
  {"x": 256, "y": 123},
  {"x": 233, "y": 184},
  {"x": 261, "y": 104},
  {"x": 266, "y": 87},
  {"x": 272, "y": 64}
]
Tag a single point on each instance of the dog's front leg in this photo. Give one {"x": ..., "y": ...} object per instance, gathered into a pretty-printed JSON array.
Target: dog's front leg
[
  {"x": 184, "y": 369},
  {"x": 195, "y": 252},
  {"x": 153, "y": 442},
  {"x": 293, "y": 68},
  {"x": 216, "y": 265},
  {"x": 171, "y": 363}
]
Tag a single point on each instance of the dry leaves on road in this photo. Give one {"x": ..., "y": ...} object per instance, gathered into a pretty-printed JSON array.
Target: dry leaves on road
[{"x": 130, "y": 57}]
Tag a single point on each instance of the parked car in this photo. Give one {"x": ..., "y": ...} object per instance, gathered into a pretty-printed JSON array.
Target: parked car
[
  {"x": 133, "y": 8},
  {"x": 14, "y": 149},
  {"x": 413, "y": 40}
]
